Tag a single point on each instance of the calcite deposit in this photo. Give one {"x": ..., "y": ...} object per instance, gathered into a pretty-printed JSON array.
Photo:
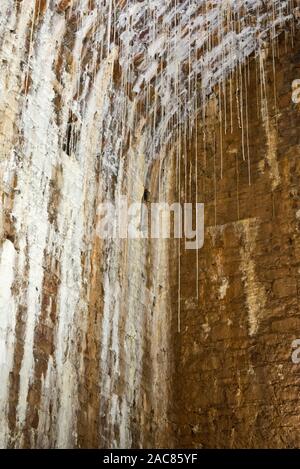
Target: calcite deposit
[{"x": 138, "y": 342}]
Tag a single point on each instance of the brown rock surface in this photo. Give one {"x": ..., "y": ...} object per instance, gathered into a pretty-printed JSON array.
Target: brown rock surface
[{"x": 235, "y": 384}]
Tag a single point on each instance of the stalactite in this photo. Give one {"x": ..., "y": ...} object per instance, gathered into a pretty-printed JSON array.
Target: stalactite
[{"x": 88, "y": 89}]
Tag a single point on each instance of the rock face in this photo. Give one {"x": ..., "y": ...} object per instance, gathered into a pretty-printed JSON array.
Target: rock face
[
  {"x": 100, "y": 99},
  {"x": 84, "y": 321},
  {"x": 236, "y": 385}
]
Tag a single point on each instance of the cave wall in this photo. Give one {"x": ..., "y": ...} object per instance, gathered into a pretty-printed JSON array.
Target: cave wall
[
  {"x": 100, "y": 99},
  {"x": 236, "y": 385},
  {"x": 83, "y": 321}
]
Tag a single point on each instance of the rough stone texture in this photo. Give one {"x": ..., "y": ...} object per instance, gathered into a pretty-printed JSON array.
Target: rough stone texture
[
  {"x": 83, "y": 321},
  {"x": 235, "y": 384},
  {"x": 97, "y": 102}
]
